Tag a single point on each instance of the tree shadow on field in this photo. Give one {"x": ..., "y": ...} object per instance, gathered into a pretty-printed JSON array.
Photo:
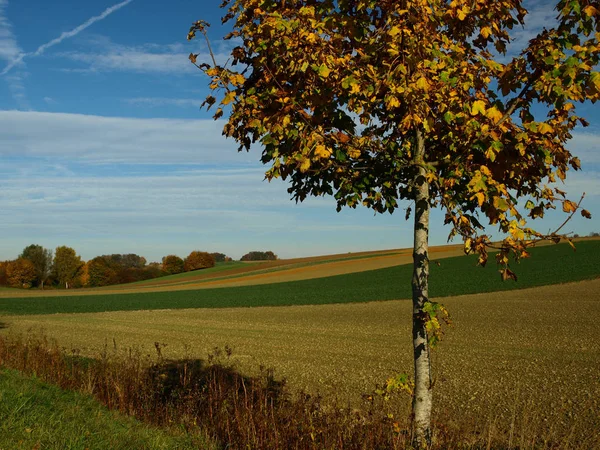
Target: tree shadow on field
[
  {"x": 3, "y": 325},
  {"x": 205, "y": 383}
]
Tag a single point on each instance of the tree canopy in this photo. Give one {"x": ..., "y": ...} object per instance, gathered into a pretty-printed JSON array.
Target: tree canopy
[{"x": 337, "y": 91}]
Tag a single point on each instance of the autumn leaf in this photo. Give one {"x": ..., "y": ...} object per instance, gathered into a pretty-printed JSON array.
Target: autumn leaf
[
  {"x": 569, "y": 206},
  {"x": 228, "y": 98},
  {"x": 494, "y": 114},
  {"x": 585, "y": 213},
  {"x": 507, "y": 274},
  {"x": 478, "y": 108}
]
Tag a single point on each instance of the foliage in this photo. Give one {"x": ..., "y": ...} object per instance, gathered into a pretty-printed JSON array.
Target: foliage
[
  {"x": 67, "y": 266},
  {"x": 102, "y": 271},
  {"x": 21, "y": 273},
  {"x": 3, "y": 276},
  {"x": 221, "y": 257},
  {"x": 198, "y": 260},
  {"x": 41, "y": 259},
  {"x": 549, "y": 265},
  {"x": 259, "y": 256},
  {"x": 112, "y": 269},
  {"x": 172, "y": 264},
  {"x": 413, "y": 73}
]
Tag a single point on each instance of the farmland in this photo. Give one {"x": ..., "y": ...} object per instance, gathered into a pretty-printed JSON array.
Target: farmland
[{"x": 529, "y": 357}]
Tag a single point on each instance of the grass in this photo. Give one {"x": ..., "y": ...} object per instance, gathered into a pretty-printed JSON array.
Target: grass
[
  {"x": 455, "y": 276},
  {"x": 34, "y": 414}
]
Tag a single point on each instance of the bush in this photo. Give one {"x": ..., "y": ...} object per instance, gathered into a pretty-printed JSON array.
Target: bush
[
  {"x": 172, "y": 264},
  {"x": 198, "y": 260},
  {"x": 259, "y": 256},
  {"x": 20, "y": 273},
  {"x": 221, "y": 257}
]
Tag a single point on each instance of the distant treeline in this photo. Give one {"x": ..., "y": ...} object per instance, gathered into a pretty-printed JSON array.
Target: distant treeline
[{"x": 39, "y": 267}]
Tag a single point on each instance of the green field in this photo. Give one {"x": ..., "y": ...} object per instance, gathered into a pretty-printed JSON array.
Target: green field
[
  {"x": 454, "y": 276},
  {"x": 34, "y": 414}
]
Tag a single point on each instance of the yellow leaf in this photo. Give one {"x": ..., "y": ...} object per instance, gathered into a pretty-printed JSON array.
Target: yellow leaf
[
  {"x": 392, "y": 102},
  {"x": 422, "y": 83},
  {"x": 485, "y": 32},
  {"x": 394, "y": 31},
  {"x": 322, "y": 152},
  {"x": 478, "y": 107},
  {"x": 569, "y": 206},
  {"x": 480, "y": 198},
  {"x": 305, "y": 165},
  {"x": 462, "y": 13},
  {"x": 590, "y": 10},
  {"x": 544, "y": 128},
  {"x": 228, "y": 98},
  {"x": 354, "y": 153},
  {"x": 494, "y": 114}
]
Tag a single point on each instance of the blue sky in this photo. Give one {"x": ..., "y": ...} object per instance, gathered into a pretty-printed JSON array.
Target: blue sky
[{"x": 103, "y": 146}]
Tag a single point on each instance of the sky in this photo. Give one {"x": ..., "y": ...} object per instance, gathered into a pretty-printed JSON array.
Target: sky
[{"x": 104, "y": 147}]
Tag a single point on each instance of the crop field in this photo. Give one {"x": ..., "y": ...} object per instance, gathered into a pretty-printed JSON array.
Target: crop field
[
  {"x": 527, "y": 356},
  {"x": 237, "y": 273},
  {"x": 454, "y": 276}
]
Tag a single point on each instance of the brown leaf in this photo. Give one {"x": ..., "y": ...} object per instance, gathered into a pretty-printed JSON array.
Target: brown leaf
[
  {"x": 507, "y": 274},
  {"x": 585, "y": 213}
]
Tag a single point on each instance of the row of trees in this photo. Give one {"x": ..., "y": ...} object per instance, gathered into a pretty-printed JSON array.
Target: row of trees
[
  {"x": 259, "y": 256},
  {"x": 41, "y": 267}
]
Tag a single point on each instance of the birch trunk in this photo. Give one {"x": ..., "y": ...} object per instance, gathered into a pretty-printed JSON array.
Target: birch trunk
[{"x": 420, "y": 285}]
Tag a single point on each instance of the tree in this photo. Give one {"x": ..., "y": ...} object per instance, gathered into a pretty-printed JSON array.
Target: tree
[
  {"x": 172, "y": 264},
  {"x": 102, "y": 271},
  {"x": 198, "y": 260},
  {"x": 221, "y": 257},
  {"x": 41, "y": 258},
  {"x": 375, "y": 102},
  {"x": 67, "y": 265},
  {"x": 21, "y": 273},
  {"x": 259, "y": 256}
]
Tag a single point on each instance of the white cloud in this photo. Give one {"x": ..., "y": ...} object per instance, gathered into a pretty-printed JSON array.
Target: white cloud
[
  {"x": 65, "y": 35},
  {"x": 540, "y": 15},
  {"x": 161, "y": 101},
  {"x": 103, "y": 55},
  {"x": 104, "y": 140}
]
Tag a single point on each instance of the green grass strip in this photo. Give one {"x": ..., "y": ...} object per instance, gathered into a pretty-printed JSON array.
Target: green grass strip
[
  {"x": 455, "y": 276},
  {"x": 34, "y": 414}
]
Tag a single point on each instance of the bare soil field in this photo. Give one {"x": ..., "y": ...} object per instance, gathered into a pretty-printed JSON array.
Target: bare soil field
[{"x": 527, "y": 355}]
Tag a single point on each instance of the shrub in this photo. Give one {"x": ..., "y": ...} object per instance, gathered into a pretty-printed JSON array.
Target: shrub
[
  {"x": 172, "y": 264},
  {"x": 259, "y": 256},
  {"x": 20, "y": 273},
  {"x": 198, "y": 260}
]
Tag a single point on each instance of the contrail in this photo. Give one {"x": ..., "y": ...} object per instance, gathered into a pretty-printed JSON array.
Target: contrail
[{"x": 65, "y": 35}]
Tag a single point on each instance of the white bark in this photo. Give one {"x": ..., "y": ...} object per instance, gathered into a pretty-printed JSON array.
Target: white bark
[{"x": 420, "y": 285}]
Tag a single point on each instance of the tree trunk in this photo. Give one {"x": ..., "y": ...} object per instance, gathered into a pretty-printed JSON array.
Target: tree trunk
[{"x": 420, "y": 285}]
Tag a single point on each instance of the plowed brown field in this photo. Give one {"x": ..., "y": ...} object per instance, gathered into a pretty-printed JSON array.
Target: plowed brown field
[{"x": 530, "y": 351}]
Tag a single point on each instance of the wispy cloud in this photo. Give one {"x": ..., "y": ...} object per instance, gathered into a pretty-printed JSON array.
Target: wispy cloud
[
  {"x": 9, "y": 51},
  {"x": 65, "y": 35},
  {"x": 105, "y": 140},
  {"x": 103, "y": 55},
  {"x": 162, "y": 101}
]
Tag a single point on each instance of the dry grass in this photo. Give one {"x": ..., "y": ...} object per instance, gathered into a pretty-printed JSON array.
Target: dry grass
[{"x": 529, "y": 358}]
